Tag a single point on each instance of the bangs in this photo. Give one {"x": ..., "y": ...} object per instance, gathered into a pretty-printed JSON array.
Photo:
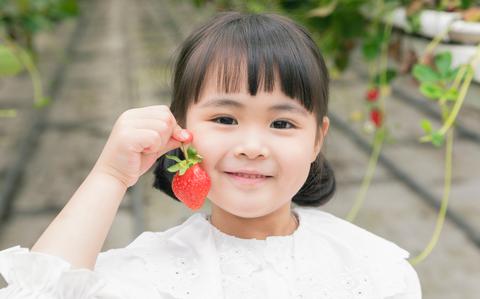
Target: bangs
[{"x": 253, "y": 52}]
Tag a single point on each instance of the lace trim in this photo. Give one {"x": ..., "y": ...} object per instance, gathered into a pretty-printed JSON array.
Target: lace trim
[{"x": 38, "y": 273}]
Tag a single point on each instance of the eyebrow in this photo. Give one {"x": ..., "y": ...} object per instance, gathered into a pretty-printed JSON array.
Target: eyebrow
[{"x": 235, "y": 104}]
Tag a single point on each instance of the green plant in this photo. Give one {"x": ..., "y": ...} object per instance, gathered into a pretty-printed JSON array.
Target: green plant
[
  {"x": 21, "y": 19},
  {"x": 13, "y": 60},
  {"x": 369, "y": 28}
]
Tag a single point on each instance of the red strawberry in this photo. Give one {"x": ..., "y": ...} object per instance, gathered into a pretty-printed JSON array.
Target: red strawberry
[
  {"x": 376, "y": 117},
  {"x": 372, "y": 94},
  {"x": 191, "y": 183}
]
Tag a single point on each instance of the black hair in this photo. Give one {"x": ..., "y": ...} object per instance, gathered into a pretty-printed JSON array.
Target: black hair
[{"x": 268, "y": 49}]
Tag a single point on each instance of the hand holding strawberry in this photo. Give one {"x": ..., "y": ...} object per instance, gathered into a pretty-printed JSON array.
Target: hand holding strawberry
[
  {"x": 191, "y": 183},
  {"x": 138, "y": 138}
]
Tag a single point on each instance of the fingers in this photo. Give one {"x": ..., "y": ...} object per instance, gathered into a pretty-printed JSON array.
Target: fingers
[
  {"x": 158, "y": 125},
  {"x": 142, "y": 139},
  {"x": 158, "y": 119},
  {"x": 163, "y": 128},
  {"x": 154, "y": 112},
  {"x": 180, "y": 136}
]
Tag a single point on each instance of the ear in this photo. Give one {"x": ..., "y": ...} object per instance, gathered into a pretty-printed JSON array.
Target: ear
[{"x": 322, "y": 133}]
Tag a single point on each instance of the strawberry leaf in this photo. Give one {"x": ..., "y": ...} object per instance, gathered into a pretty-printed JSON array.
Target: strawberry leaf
[
  {"x": 431, "y": 90},
  {"x": 451, "y": 94},
  {"x": 387, "y": 75},
  {"x": 443, "y": 62},
  {"x": 191, "y": 152},
  {"x": 183, "y": 170},
  {"x": 427, "y": 126},
  {"x": 175, "y": 158},
  {"x": 452, "y": 74},
  {"x": 196, "y": 160},
  {"x": 437, "y": 139},
  {"x": 174, "y": 168},
  {"x": 424, "y": 73}
]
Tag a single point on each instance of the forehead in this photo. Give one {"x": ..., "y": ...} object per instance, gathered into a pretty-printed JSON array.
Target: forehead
[{"x": 214, "y": 96}]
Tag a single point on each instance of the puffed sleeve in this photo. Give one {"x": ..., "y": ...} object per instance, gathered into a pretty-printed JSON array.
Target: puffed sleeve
[
  {"x": 413, "y": 288},
  {"x": 32, "y": 274}
]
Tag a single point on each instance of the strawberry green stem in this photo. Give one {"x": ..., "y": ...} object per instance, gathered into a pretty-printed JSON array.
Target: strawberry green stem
[
  {"x": 367, "y": 179},
  {"x": 463, "y": 92},
  {"x": 185, "y": 153},
  {"x": 31, "y": 69},
  {"x": 443, "y": 206},
  {"x": 380, "y": 132},
  {"x": 467, "y": 71},
  {"x": 434, "y": 43}
]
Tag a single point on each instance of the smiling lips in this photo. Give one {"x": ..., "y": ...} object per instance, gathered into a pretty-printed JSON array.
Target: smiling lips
[
  {"x": 247, "y": 179},
  {"x": 248, "y": 176}
]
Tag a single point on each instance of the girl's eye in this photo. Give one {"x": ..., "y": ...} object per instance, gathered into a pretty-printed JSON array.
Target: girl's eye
[
  {"x": 224, "y": 119},
  {"x": 280, "y": 124}
]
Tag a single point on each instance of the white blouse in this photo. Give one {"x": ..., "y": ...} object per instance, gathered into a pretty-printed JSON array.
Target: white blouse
[{"x": 326, "y": 257}]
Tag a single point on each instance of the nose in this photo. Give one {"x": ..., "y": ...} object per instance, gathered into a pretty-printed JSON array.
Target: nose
[{"x": 252, "y": 146}]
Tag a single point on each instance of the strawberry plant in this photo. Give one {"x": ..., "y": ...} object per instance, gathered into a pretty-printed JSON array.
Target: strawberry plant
[
  {"x": 440, "y": 82},
  {"x": 20, "y": 20},
  {"x": 372, "y": 94},
  {"x": 369, "y": 26}
]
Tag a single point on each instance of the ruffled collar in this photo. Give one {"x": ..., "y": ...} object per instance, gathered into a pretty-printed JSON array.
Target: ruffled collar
[{"x": 219, "y": 235}]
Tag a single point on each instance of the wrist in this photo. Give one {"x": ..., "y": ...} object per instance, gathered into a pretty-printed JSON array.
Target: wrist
[{"x": 109, "y": 177}]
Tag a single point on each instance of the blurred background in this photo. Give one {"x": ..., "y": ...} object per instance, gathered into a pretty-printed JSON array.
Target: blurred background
[{"x": 404, "y": 108}]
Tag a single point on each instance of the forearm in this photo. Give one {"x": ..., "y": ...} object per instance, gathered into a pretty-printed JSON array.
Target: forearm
[{"x": 78, "y": 232}]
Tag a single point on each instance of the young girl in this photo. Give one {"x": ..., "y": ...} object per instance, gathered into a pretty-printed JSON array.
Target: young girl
[{"x": 252, "y": 90}]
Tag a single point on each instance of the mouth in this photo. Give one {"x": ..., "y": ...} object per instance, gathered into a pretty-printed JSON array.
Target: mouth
[{"x": 248, "y": 179}]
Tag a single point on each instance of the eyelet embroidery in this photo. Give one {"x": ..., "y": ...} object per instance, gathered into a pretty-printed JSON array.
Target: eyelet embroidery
[{"x": 241, "y": 262}]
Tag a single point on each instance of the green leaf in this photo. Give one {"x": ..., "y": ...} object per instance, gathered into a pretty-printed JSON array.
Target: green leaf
[
  {"x": 370, "y": 50},
  {"x": 442, "y": 62},
  {"x": 69, "y": 7},
  {"x": 426, "y": 125},
  {"x": 255, "y": 7},
  {"x": 452, "y": 74},
  {"x": 43, "y": 102},
  {"x": 183, "y": 170},
  {"x": 389, "y": 76},
  {"x": 451, "y": 94},
  {"x": 10, "y": 64},
  {"x": 191, "y": 152},
  {"x": 424, "y": 73},
  {"x": 437, "y": 139},
  {"x": 195, "y": 160},
  {"x": 431, "y": 90},
  {"x": 37, "y": 22},
  {"x": 174, "y": 168},
  {"x": 324, "y": 10},
  {"x": 414, "y": 23},
  {"x": 372, "y": 43},
  {"x": 174, "y": 158}
]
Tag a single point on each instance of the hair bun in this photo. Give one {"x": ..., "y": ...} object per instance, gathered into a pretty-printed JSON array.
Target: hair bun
[{"x": 319, "y": 186}]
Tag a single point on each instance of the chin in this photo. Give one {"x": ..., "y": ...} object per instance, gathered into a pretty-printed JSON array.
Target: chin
[{"x": 247, "y": 210}]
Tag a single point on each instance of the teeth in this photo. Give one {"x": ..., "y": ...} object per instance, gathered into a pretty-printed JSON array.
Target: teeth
[{"x": 250, "y": 176}]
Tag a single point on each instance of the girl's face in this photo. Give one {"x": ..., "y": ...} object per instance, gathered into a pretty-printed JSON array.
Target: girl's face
[{"x": 269, "y": 134}]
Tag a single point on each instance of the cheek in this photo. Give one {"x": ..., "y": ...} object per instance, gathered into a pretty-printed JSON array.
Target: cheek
[
  {"x": 294, "y": 160},
  {"x": 207, "y": 146}
]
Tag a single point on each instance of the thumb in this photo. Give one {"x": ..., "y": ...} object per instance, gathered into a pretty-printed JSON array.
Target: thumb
[{"x": 178, "y": 137}]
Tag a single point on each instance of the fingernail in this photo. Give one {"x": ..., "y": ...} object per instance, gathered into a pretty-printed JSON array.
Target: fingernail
[{"x": 185, "y": 134}]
